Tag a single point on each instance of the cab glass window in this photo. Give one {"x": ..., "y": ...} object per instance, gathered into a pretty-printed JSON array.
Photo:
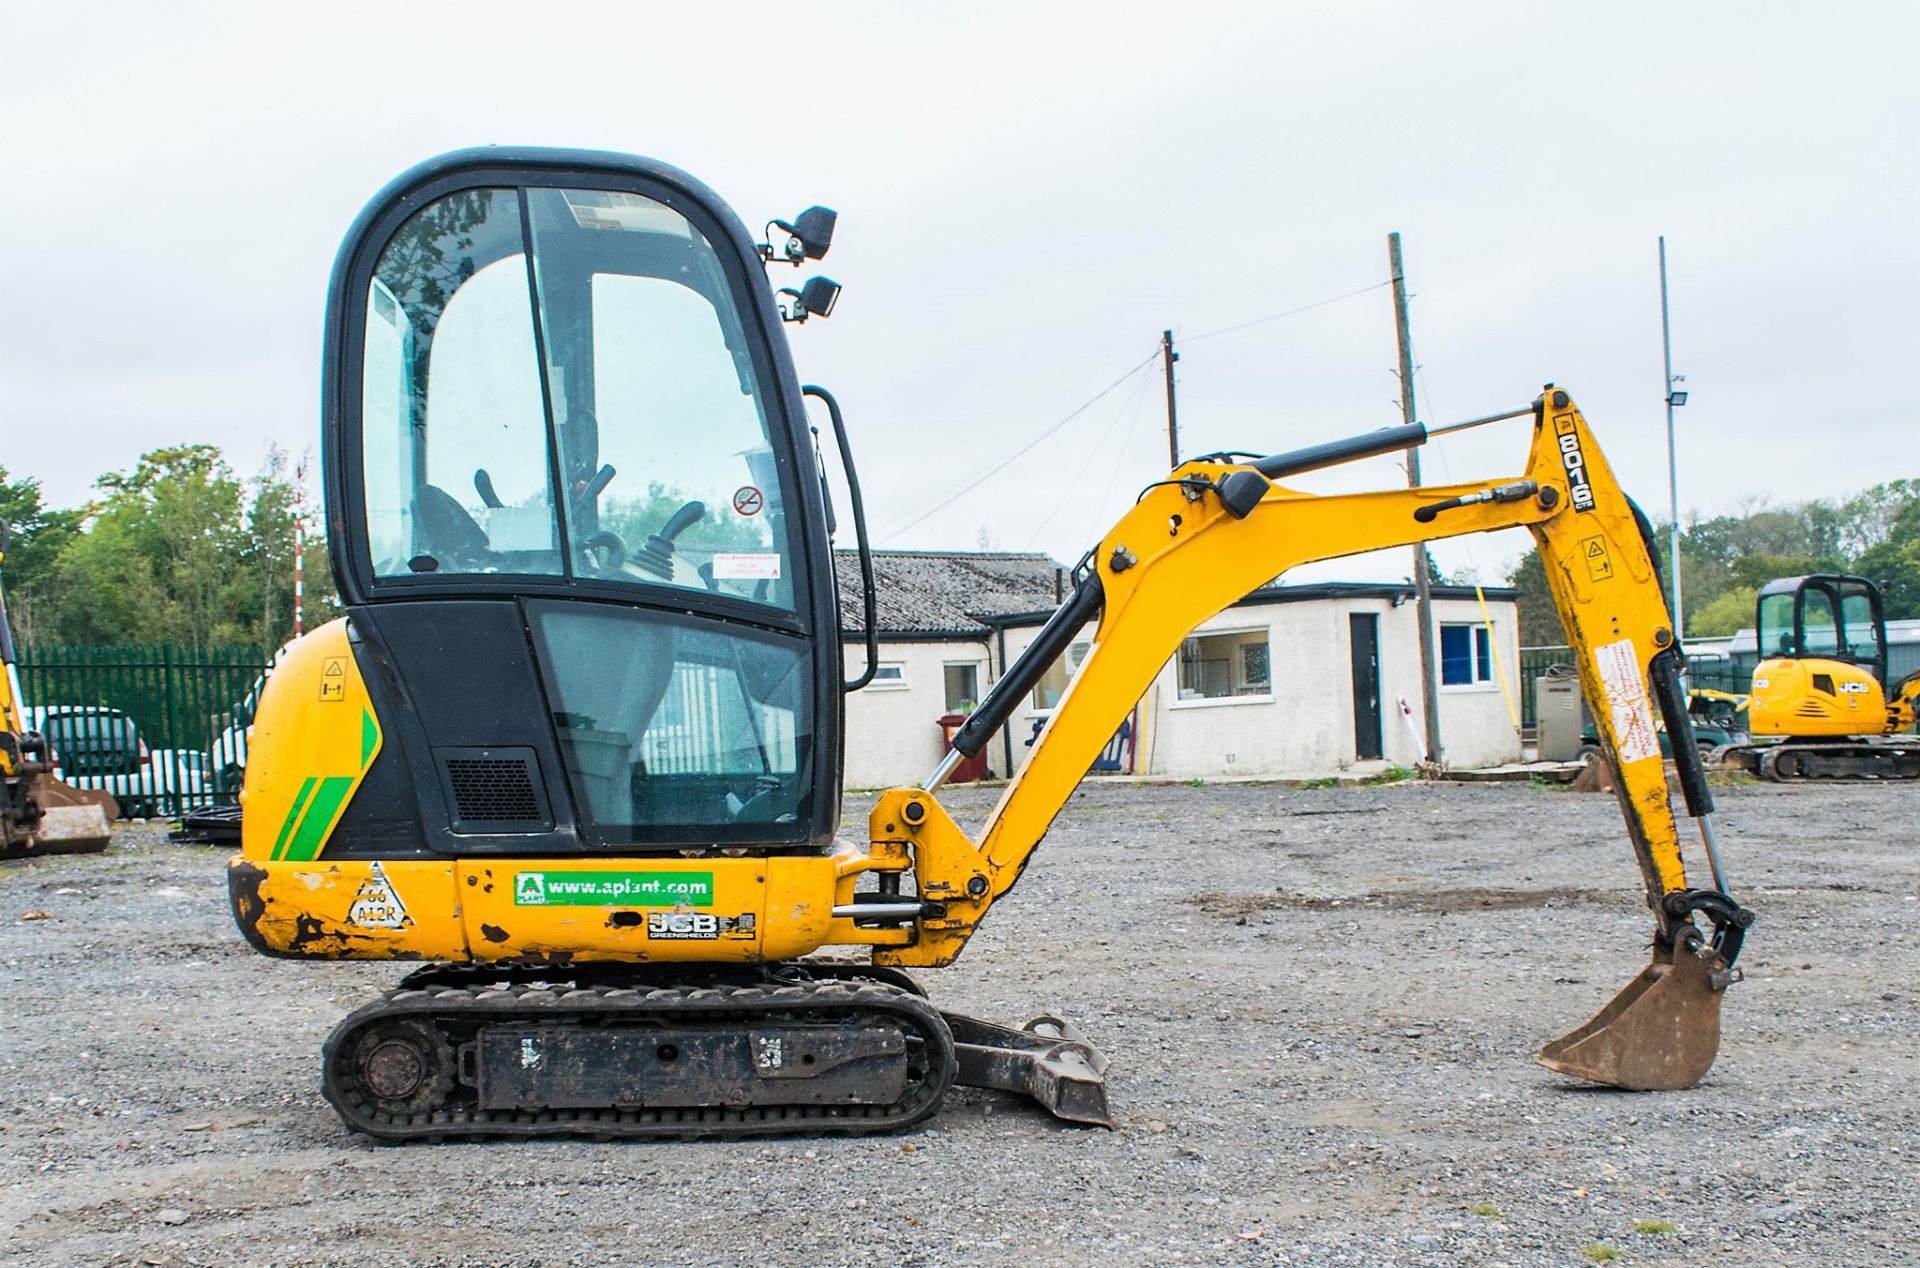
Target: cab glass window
[
  {"x": 674, "y": 731},
  {"x": 1818, "y": 627},
  {"x": 558, "y": 384},
  {"x": 1776, "y": 626},
  {"x": 453, "y": 428},
  {"x": 1856, "y": 622}
]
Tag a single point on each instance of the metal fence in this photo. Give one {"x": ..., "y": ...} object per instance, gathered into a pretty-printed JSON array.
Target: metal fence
[
  {"x": 1718, "y": 673},
  {"x": 160, "y": 727}
]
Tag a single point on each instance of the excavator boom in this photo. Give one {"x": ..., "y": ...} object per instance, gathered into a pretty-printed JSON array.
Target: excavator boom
[{"x": 1212, "y": 532}]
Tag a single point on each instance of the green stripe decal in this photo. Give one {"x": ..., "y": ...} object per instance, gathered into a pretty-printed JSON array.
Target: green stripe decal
[
  {"x": 369, "y": 737},
  {"x": 318, "y": 821},
  {"x": 293, "y": 817}
]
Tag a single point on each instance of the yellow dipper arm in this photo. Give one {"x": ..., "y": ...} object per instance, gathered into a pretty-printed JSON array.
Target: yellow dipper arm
[{"x": 1182, "y": 555}]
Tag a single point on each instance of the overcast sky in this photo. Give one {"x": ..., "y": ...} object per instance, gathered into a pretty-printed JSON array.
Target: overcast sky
[{"x": 1028, "y": 195}]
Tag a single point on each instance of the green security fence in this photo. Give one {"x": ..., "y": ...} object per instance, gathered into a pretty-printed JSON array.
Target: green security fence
[
  {"x": 1718, "y": 673},
  {"x": 161, "y": 727}
]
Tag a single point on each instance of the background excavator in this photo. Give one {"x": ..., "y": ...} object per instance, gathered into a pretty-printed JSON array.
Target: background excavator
[
  {"x": 1821, "y": 686},
  {"x": 39, "y": 813},
  {"x": 576, "y": 742}
]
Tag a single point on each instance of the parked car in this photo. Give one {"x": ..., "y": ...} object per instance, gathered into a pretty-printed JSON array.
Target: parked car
[
  {"x": 99, "y": 747},
  {"x": 1719, "y": 718},
  {"x": 229, "y": 753}
]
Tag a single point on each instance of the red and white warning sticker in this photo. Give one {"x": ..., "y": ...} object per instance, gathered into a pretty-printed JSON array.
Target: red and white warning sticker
[
  {"x": 747, "y": 500},
  {"x": 745, "y": 567},
  {"x": 1627, "y": 703}
]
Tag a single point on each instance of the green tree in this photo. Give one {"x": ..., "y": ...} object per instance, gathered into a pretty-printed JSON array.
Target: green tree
[
  {"x": 1894, "y": 564},
  {"x": 1869, "y": 517},
  {"x": 158, "y": 562},
  {"x": 1539, "y": 619},
  {"x": 1727, "y": 613},
  {"x": 37, "y": 534}
]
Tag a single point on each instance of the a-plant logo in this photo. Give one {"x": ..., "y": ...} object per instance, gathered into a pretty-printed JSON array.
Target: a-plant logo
[{"x": 529, "y": 889}]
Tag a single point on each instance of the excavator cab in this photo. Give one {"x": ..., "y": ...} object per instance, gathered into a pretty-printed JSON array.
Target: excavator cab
[
  {"x": 576, "y": 520},
  {"x": 1824, "y": 617}
]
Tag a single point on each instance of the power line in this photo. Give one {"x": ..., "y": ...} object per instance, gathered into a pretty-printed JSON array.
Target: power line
[
  {"x": 980, "y": 477},
  {"x": 1131, "y": 401},
  {"x": 972, "y": 482},
  {"x": 1291, "y": 312},
  {"x": 1119, "y": 457}
]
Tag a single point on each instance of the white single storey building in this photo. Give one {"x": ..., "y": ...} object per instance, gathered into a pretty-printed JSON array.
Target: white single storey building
[{"x": 1292, "y": 681}]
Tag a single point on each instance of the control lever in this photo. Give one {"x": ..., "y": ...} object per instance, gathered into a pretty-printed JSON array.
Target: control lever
[
  {"x": 656, "y": 556},
  {"x": 1515, "y": 492}
]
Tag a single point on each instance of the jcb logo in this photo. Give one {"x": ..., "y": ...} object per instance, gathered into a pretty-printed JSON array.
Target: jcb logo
[{"x": 682, "y": 924}]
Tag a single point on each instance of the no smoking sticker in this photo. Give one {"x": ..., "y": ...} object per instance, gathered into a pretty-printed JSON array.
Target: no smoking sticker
[{"x": 747, "y": 500}]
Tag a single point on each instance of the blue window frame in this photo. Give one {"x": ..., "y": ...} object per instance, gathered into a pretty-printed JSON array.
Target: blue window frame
[{"x": 1466, "y": 656}]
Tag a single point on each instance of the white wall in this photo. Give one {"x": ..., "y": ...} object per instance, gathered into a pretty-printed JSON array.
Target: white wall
[
  {"x": 892, "y": 736},
  {"x": 1305, "y": 726}
]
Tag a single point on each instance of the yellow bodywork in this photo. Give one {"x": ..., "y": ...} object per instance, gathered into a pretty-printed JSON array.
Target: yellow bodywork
[
  {"x": 1174, "y": 560},
  {"x": 1809, "y": 697}
]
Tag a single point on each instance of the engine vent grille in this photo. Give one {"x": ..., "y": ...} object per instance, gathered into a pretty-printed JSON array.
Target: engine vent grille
[{"x": 494, "y": 790}]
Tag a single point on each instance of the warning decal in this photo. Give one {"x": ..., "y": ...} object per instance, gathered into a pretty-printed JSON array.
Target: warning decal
[
  {"x": 1627, "y": 705},
  {"x": 747, "y": 500},
  {"x": 333, "y": 679},
  {"x": 737, "y": 567},
  {"x": 1599, "y": 563},
  {"x": 378, "y": 905}
]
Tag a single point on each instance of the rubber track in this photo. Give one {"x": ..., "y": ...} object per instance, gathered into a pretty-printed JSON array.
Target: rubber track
[
  {"x": 1900, "y": 764},
  {"x": 469, "y": 1008}
]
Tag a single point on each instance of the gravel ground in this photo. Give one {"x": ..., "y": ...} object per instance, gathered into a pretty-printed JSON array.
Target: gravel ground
[{"x": 1321, "y": 1007}]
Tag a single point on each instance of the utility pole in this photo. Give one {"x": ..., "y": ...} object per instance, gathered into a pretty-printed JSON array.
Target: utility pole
[
  {"x": 299, "y": 546},
  {"x": 1673, "y": 467},
  {"x": 1422, "y": 587},
  {"x": 1168, "y": 356}
]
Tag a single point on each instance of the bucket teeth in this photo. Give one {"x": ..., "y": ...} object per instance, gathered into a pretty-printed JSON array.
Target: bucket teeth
[{"x": 1661, "y": 1033}]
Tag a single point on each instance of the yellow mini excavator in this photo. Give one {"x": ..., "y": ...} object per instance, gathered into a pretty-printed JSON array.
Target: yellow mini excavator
[
  {"x": 1821, "y": 706},
  {"x": 576, "y": 743},
  {"x": 39, "y": 814}
]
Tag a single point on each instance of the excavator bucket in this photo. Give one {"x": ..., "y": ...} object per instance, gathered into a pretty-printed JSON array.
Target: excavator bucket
[
  {"x": 72, "y": 821},
  {"x": 1659, "y": 1034}
]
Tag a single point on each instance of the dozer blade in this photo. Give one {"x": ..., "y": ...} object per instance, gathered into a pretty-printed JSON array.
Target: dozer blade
[
  {"x": 1659, "y": 1034},
  {"x": 1048, "y": 1060}
]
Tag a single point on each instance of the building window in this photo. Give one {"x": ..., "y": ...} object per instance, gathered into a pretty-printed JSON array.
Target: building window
[
  {"x": 963, "y": 687},
  {"x": 1053, "y": 683},
  {"x": 1226, "y": 666},
  {"x": 889, "y": 675},
  {"x": 1466, "y": 656}
]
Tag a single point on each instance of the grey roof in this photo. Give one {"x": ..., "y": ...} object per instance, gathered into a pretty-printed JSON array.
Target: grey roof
[
  {"x": 1310, "y": 592},
  {"x": 945, "y": 593}
]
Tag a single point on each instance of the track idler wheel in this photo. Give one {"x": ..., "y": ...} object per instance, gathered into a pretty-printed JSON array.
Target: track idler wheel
[
  {"x": 402, "y": 1067},
  {"x": 1660, "y": 1034},
  {"x": 1783, "y": 765}
]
